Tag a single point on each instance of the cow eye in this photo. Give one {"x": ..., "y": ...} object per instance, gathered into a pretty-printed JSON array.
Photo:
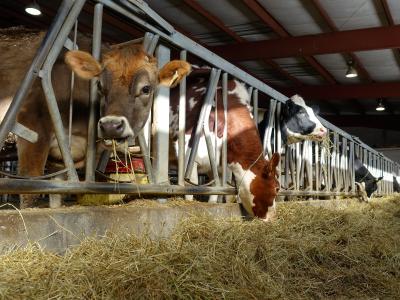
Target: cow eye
[{"x": 146, "y": 89}]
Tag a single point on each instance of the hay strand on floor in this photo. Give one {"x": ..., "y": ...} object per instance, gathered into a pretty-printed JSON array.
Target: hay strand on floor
[{"x": 307, "y": 253}]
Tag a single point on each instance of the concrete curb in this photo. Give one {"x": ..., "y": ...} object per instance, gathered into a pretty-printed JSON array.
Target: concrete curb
[{"x": 58, "y": 229}]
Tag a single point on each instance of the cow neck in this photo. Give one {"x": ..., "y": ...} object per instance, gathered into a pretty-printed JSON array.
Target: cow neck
[{"x": 243, "y": 141}]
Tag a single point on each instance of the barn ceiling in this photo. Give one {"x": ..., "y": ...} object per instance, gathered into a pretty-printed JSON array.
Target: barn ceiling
[{"x": 296, "y": 46}]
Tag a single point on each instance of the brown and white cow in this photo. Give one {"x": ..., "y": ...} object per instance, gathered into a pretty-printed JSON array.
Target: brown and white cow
[
  {"x": 127, "y": 77},
  {"x": 255, "y": 176}
]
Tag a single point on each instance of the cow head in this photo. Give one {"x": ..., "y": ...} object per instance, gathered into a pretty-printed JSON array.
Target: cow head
[
  {"x": 299, "y": 122},
  {"x": 258, "y": 187},
  {"x": 128, "y": 78},
  {"x": 367, "y": 187}
]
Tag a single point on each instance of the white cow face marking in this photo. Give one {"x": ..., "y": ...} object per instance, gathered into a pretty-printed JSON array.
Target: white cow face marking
[{"x": 244, "y": 178}]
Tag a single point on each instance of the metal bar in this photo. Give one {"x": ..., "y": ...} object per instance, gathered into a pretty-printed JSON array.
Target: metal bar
[
  {"x": 224, "y": 154},
  {"x": 44, "y": 48},
  {"x": 207, "y": 136},
  {"x": 255, "y": 106},
  {"x": 146, "y": 158},
  {"x": 153, "y": 44},
  {"x": 24, "y": 132},
  {"x": 25, "y": 186},
  {"x": 18, "y": 186},
  {"x": 182, "y": 126},
  {"x": 151, "y": 13},
  {"x": 161, "y": 123},
  {"x": 49, "y": 92},
  {"x": 317, "y": 166},
  {"x": 148, "y": 37},
  {"x": 94, "y": 97},
  {"x": 214, "y": 77}
]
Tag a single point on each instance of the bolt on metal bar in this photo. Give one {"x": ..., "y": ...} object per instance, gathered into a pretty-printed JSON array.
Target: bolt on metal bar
[
  {"x": 94, "y": 96},
  {"x": 44, "y": 48}
]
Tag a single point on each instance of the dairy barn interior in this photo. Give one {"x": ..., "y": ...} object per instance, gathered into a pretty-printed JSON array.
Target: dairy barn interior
[{"x": 199, "y": 149}]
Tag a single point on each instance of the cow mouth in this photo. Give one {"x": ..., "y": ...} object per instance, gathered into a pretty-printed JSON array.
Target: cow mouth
[{"x": 114, "y": 141}]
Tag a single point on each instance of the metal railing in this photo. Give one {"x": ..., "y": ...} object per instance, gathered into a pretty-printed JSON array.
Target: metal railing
[{"x": 307, "y": 168}]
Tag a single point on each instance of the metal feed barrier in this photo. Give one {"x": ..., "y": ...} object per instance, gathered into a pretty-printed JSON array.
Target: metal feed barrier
[{"x": 307, "y": 168}]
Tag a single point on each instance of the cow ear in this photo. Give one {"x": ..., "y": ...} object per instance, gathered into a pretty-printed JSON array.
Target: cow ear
[
  {"x": 378, "y": 179},
  {"x": 173, "y": 72},
  {"x": 83, "y": 64},
  {"x": 272, "y": 164},
  {"x": 275, "y": 160}
]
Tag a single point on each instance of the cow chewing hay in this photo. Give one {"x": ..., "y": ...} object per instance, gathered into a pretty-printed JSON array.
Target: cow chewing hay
[{"x": 311, "y": 253}]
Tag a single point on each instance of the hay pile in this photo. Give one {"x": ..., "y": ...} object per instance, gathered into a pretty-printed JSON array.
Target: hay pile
[{"x": 308, "y": 252}]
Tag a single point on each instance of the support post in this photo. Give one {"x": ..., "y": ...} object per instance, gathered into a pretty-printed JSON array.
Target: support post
[
  {"x": 161, "y": 110},
  {"x": 94, "y": 97}
]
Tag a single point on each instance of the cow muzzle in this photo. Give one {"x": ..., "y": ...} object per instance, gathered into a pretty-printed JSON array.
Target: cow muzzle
[
  {"x": 319, "y": 133},
  {"x": 114, "y": 128}
]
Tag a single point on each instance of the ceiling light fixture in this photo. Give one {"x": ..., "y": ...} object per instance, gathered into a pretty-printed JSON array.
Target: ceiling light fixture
[
  {"x": 351, "y": 71},
  {"x": 380, "y": 106},
  {"x": 33, "y": 9}
]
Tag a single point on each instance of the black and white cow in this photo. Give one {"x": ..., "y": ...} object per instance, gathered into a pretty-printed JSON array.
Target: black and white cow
[
  {"x": 365, "y": 181},
  {"x": 298, "y": 122}
]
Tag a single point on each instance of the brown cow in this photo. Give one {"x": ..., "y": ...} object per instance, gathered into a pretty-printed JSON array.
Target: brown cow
[
  {"x": 128, "y": 78},
  {"x": 256, "y": 177}
]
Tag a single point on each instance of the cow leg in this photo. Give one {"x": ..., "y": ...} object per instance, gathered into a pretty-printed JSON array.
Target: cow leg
[{"x": 31, "y": 161}]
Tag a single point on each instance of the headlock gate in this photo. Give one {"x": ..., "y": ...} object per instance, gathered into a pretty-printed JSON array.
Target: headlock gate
[{"x": 307, "y": 168}]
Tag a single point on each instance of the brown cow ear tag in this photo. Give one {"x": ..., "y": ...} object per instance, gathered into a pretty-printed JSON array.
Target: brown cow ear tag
[
  {"x": 83, "y": 64},
  {"x": 173, "y": 72}
]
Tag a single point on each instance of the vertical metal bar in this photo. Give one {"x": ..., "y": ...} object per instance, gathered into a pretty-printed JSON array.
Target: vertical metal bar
[
  {"x": 49, "y": 92},
  {"x": 153, "y": 44},
  {"x": 94, "y": 97},
  {"x": 351, "y": 167},
  {"x": 255, "y": 106},
  {"x": 182, "y": 126},
  {"x": 278, "y": 138},
  {"x": 71, "y": 93},
  {"x": 214, "y": 77},
  {"x": 209, "y": 144},
  {"x": 148, "y": 37},
  {"x": 224, "y": 154},
  {"x": 268, "y": 131},
  {"x": 298, "y": 165},
  {"x": 317, "y": 166},
  {"x": 146, "y": 157},
  {"x": 44, "y": 48},
  {"x": 161, "y": 123}
]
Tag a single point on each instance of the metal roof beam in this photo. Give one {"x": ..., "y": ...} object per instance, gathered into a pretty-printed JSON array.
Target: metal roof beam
[
  {"x": 269, "y": 20},
  {"x": 324, "y": 43},
  {"x": 218, "y": 23},
  {"x": 358, "y": 65}
]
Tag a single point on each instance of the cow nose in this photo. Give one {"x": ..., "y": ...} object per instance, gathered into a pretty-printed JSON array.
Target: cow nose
[{"x": 112, "y": 128}]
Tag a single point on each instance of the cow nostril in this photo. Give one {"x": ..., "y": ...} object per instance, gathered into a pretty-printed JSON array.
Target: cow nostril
[{"x": 120, "y": 126}]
